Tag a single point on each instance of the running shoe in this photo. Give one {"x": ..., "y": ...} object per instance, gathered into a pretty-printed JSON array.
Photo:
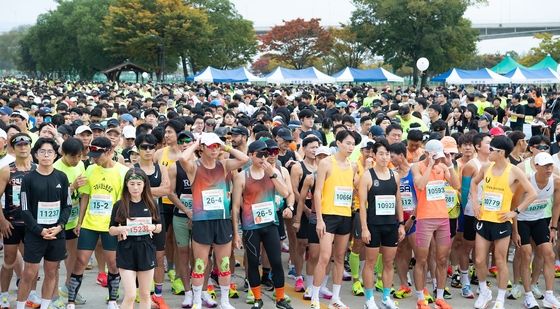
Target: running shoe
[
  {"x": 70, "y": 306},
  {"x": 208, "y": 301},
  {"x": 346, "y": 276},
  {"x": 258, "y": 304},
  {"x": 483, "y": 300},
  {"x": 442, "y": 304},
  {"x": 550, "y": 301},
  {"x": 159, "y": 302},
  {"x": 493, "y": 270},
  {"x": 245, "y": 285},
  {"x": 188, "y": 300},
  {"x": 58, "y": 303},
  {"x": 379, "y": 285},
  {"x": 428, "y": 297},
  {"x": 370, "y": 304},
  {"x": 325, "y": 293},
  {"x": 250, "y": 297},
  {"x": 172, "y": 275},
  {"x": 474, "y": 277},
  {"x": 446, "y": 293},
  {"x": 80, "y": 299},
  {"x": 337, "y": 304},
  {"x": 422, "y": 304},
  {"x": 5, "y": 304},
  {"x": 536, "y": 291},
  {"x": 299, "y": 286},
  {"x": 112, "y": 305},
  {"x": 177, "y": 287},
  {"x": 498, "y": 305},
  {"x": 89, "y": 266},
  {"x": 389, "y": 304},
  {"x": 403, "y": 292},
  {"x": 357, "y": 288},
  {"x": 211, "y": 291},
  {"x": 307, "y": 294},
  {"x": 456, "y": 280},
  {"x": 292, "y": 272},
  {"x": 557, "y": 271},
  {"x": 226, "y": 305},
  {"x": 466, "y": 292},
  {"x": 33, "y": 301},
  {"x": 449, "y": 271},
  {"x": 102, "y": 279},
  {"x": 286, "y": 297},
  {"x": 283, "y": 304},
  {"x": 530, "y": 302},
  {"x": 315, "y": 305},
  {"x": 509, "y": 285},
  {"x": 233, "y": 291},
  {"x": 515, "y": 292},
  {"x": 285, "y": 247},
  {"x": 268, "y": 285}
]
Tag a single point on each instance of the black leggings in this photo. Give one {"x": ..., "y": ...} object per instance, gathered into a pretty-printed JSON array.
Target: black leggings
[{"x": 269, "y": 238}]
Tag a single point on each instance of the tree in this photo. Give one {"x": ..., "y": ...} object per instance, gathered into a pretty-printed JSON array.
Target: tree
[
  {"x": 346, "y": 50},
  {"x": 297, "y": 42},
  {"x": 404, "y": 30},
  {"x": 548, "y": 45},
  {"x": 10, "y": 47}
]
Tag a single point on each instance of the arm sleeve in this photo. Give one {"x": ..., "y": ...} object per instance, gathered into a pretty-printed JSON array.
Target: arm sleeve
[
  {"x": 65, "y": 201},
  {"x": 27, "y": 209},
  {"x": 465, "y": 188}
]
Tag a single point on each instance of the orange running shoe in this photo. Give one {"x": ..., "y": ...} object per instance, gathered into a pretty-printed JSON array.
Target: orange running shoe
[{"x": 159, "y": 302}]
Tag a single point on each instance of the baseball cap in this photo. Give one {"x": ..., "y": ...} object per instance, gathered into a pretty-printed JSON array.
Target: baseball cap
[
  {"x": 222, "y": 131},
  {"x": 127, "y": 117},
  {"x": 271, "y": 144},
  {"x": 21, "y": 114},
  {"x": 114, "y": 129},
  {"x": 210, "y": 139},
  {"x": 82, "y": 129},
  {"x": 294, "y": 124},
  {"x": 112, "y": 123},
  {"x": 3, "y": 134},
  {"x": 239, "y": 130},
  {"x": 449, "y": 145},
  {"x": 341, "y": 104},
  {"x": 129, "y": 132},
  {"x": 185, "y": 134},
  {"x": 486, "y": 117},
  {"x": 96, "y": 126},
  {"x": 543, "y": 158},
  {"x": 285, "y": 134},
  {"x": 435, "y": 148},
  {"x": 5, "y": 110},
  {"x": 98, "y": 146},
  {"x": 376, "y": 131},
  {"x": 367, "y": 143},
  {"x": 497, "y": 131},
  {"x": 257, "y": 145},
  {"x": 65, "y": 129},
  {"x": 323, "y": 150},
  {"x": 134, "y": 149}
]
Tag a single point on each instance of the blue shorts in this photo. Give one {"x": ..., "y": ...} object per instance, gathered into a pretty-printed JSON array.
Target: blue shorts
[{"x": 412, "y": 229}]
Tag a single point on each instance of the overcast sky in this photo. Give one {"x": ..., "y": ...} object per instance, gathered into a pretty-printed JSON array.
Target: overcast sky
[{"x": 267, "y": 13}]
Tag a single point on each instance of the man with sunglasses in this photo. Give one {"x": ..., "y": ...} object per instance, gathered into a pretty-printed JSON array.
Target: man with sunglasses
[
  {"x": 11, "y": 222},
  {"x": 254, "y": 193},
  {"x": 212, "y": 225}
]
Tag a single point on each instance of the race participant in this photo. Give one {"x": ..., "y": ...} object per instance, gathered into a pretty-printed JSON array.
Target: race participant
[
  {"x": 159, "y": 186},
  {"x": 333, "y": 204},
  {"x": 254, "y": 194},
  {"x": 494, "y": 214},
  {"x": 45, "y": 206},
  {"x": 181, "y": 196},
  {"x": 381, "y": 217},
  {"x": 297, "y": 176},
  {"x": 72, "y": 166},
  {"x": 114, "y": 135},
  {"x": 212, "y": 225},
  {"x": 408, "y": 201},
  {"x": 481, "y": 142},
  {"x": 134, "y": 220},
  {"x": 11, "y": 221},
  {"x": 430, "y": 176},
  {"x": 101, "y": 191},
  {"x": 533, "y": 225}
]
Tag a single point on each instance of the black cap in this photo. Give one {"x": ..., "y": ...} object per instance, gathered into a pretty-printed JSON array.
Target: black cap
[
  {"x": 257, "y": 145},
  {"x": 112, "y": 123},
  {"x": 239, "y": 130},
  {"x": 184, "y": 134},
  {"x": 271, "y": 144},
  {"x": 285, "y": 134},
  {"x": 152, "y": 111},
  {"x": 100, "y": 145},
  {"x": 222, "y": 131},
  {"x": 96, "y": 126},
  {"x": 65, "y": 129},
  {"x": 306, "y": 113},
  {"x": 404, "y": 110}
]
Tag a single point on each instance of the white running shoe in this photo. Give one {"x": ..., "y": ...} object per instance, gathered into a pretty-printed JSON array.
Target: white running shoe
[
  {"x": 5, "y": 300},
  {"x": 550, "y": 302},
  {"x": 536, "y": 291},
  {"x": 389, "y": 304},
  {"x": 370, "y": 304},
  {"x": 516, "y": 291},
  {"x": 208, "y": 301},
  {"x": 112, "y": 305},
  {"x": 498, "y": 305},
  {"x": 337, "y": 304},
  {"x": 33, "y": 298},
  {"x": 226, "y": 305},
  {"x": 307, "y": 294},
  {"x": 325, "y": 293},
  {"x": 188, "y": 300},
  {"x": 483, "y": 300},
  {"x": 70, "y": 306},
  {"x": 530, "y": 302}
]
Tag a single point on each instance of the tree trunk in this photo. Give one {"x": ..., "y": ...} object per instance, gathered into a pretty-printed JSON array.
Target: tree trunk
[
  {"x": 414, "y": 76},
  {"x": 184, "y": 64}
]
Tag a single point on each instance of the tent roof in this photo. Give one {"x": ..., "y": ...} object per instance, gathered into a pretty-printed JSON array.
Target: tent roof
[
  {"x": 546, "y": 62},
  {"x": 304, "y": 76},
  {"x": 213, "y": 75},
  {"x": 506, "y": 65},
  {"x": 372, "y": 75},
  {"x": 471, "y": 77},
  {"x": 527, "y": 76}
]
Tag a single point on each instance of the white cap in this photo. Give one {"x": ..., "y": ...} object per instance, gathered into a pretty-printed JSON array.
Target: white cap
[
  {"x": 323, "y": 150},
  {"x": 21, "y": 113},
  {"x": 435, "y": 148},
  {"x": 364, "y": 143},
  {"x": 82, "y": 129},
  {"x": 261, "y": 100},
  {"x": 543, "y": 158},
  {"x": 3, "y": 134},
  {"x": 210, "y": 139},
  {"x": 129, "y": 132}
]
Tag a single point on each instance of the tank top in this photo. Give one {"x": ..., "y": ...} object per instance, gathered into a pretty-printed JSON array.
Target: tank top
[
  {"x": 431, "y": 199},
  {"x": 556, "y": 159},
  {"x": 338, "y": 191},
  {"x": 258, "y": 208},
  {"x": 469, "y": 210},
  {"x": 278, "y": 199},
  {"x": 529, "y": 170},
  {"x": 381, "y": 197},
  {"x": 183, "y": 190},
  {"x": 166, "y": 161},
  {"x": 309, "y": 193},
  {"x": 496, "y": 195},
  {"x": 452, "y": 198},
  {"x": 155, "y": 181},
  {"x": 537, "y": 209},
  {"x": 210, "y": 199},
  {"x": 11, "y": 198},
  {"x": 408, "y": 194}
]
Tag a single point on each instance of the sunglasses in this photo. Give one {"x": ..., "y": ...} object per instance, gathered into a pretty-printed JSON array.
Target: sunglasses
[
  {"x": 147, "y": 146},
  {"x": 492, "y": 149},
  {"x": 97, "y": 148},
  {"x": 542, "y": 147},
  {"x": 184, "y": 141},
  {"x": 214, "y": 146},
  {"x": 262, "y": 154},
  {"x": 273, "y": 152},
  {"x": 21, "y": 139}
]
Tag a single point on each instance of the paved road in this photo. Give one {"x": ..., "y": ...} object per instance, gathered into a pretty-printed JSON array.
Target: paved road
[{"x": 96, "y": 295}]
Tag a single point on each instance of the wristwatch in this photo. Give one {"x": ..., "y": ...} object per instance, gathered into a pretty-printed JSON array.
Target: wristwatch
[
  {"x": 516, "y": 210},
  {"x": 274, "y": 176}
]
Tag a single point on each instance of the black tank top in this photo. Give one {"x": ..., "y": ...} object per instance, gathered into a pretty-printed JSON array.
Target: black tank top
[
  {"x": 382, "y": 198},
  {"x": 309, "y": 194},
  {"x": 182, "y": 186},
  {"x": 12, "y": 202},
  {"x": 155, "y": 181}
]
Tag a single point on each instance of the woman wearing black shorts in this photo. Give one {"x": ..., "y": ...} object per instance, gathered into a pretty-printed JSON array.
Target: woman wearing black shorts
[{"x": 134, "y": 220}]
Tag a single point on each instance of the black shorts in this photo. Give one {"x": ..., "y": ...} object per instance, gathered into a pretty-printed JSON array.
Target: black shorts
[
  {"x": 536, "y": 230},
  {"x": 137, "y": 253},
  {"x": 167, "y": 215},
  {"x": 302, "y": 233},
  {"x": 17, "y": 237},
  {"x": 492, "y": 231},
  {"x": 469, "y": 231},
  {"x": 69, "y": 234},
  {"x": 386, "y": 235},
  {"x": 159, "y": 238},
  {"x": 280, "y": 226},
  {"x": 36, "y": 248},
  {"x": 88, "y": 240},
  {"x": 338, "y": 225},
  {"x": 312, "y": 237},
  {"x": 356, "y": 226},
  {"x": 453, "y": 227},
  {"x": 208, "y": 232}
]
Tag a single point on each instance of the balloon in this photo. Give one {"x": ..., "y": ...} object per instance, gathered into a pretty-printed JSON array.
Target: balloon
[
  {"x": 145, "y": 75},
  {"x": 422, "y": 64}
]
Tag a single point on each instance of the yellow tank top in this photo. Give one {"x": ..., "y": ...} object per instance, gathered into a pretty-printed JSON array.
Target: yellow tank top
[
  {"x": 496, "y": 195},
  {"x": 167, "y": 162},
  {"x": 338, "y": 191},
  {"x": 452, "y": 199}
]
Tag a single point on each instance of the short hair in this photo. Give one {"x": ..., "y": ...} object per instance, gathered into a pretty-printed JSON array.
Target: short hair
[
  {"x": 516, "y": 136},
  {"x": 44, "y": 140},
  {"x": 310, "y": 139},
  {"x": 176, "y": 125},
  {"x": 398, "y": 148},
  {"x": 342, "y": 135},
  {"x": 465, "y": 139},
  {"x": 415, "y": 136},
  {"x": 148, "y": 138},
  {"x": 504, "y": 143},
  {"x": 436, "y": 108},
  {"x": 393, "y": 126},
  {"x": 72, "y": 146},
  {"x": 382, "y": 142},
  {"x": 477, "y": 139},
  {"x": 538, "y": 139}
]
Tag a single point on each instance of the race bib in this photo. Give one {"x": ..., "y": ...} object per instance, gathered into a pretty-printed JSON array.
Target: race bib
[
  {"x": 48, "y": 212},
  {"x": 529, "y": 119},
  {"x": 407, "y": 201},
  {"x": 492, "y": 201},
  {"x": 450, "y": 198},
  {"x": 263, "y": 212},
  {"x": 538, "y": 205},
  {"x": 213, "y": 199},
  {"x": 16, "y": 193},
  {"x": 74, "y": 214},
  {"x": 385, "y": 205},
  {"x": 100, "y": 205},
  {"x": 513, "y": 118},
  {"x": 343, "y": 196},
  {"x": 186, "y": 199},
  {"x": 435, "y": 190},
  {"x": 138, "y": 226}
]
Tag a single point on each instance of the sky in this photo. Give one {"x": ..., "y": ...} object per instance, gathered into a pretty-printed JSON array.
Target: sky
[{"x": 267, "y": 13}]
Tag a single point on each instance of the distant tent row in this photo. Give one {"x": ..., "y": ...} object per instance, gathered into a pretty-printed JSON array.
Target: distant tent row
[{"x": 508, "y": 64}]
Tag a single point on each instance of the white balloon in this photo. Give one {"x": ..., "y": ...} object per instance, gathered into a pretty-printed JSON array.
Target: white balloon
[
  {"x": 422, "y": 64},
  {"x": 145, "y": 75}
]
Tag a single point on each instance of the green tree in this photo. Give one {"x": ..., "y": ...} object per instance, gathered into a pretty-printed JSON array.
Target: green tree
[
  {"x": 404, "y": 30},
  {"x": 346, "y": 50},
  {"x": 10, "y": 47},
  {"x": 547, "y": 45}
]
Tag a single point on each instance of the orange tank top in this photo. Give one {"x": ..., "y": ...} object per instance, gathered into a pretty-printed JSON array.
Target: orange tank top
[{"x": 431, "y": 199}]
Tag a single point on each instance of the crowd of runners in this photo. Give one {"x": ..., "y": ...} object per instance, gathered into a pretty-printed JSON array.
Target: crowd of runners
[{"x": 405, "y": 191}]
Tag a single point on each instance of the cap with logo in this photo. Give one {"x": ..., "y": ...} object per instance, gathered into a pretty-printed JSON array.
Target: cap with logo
[
  {"x": 129, "y": 132},
  {"x": 543, "y": 158},
  {"x": 82, "y": 129},
  {"x": 210, "y": 139},
  {"x": 98, "y": 146},
  {"x": 285, "y": 134},
  {"x": 435, "y": 148},
  {"x": 257, "y": 145}
]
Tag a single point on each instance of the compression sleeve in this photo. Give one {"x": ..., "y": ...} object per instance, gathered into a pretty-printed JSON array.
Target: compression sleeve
[
  {"x": 27, "y": 210},
  {"x": 465, "y": 189},
  {"x": 66, "y": 202}
]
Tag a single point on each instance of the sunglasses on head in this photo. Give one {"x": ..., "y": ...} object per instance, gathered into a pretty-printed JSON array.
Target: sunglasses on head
[
  {"x": 21, "y": 140},
  {"x": 262, "y": 154},
  {"x": 273, "y": 152},
  {"x": 492, "y": 149},
  {"x": 97, "y": 148},
  {"x": 147, "y": 146},
  {"x": 214, "y": 146},
  {"x": 542, "y": 147},
  {"x": 184, "y": 141}
]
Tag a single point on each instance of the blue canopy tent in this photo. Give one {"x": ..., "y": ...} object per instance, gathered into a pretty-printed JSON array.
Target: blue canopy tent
[
  {"x": 527, "y": 76},
  {"x": 362, "y": 76},
  {"x": 304, "y": 76},
  {"x": 471, "y": 77},
  {"x": 213, "y": 75}
]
